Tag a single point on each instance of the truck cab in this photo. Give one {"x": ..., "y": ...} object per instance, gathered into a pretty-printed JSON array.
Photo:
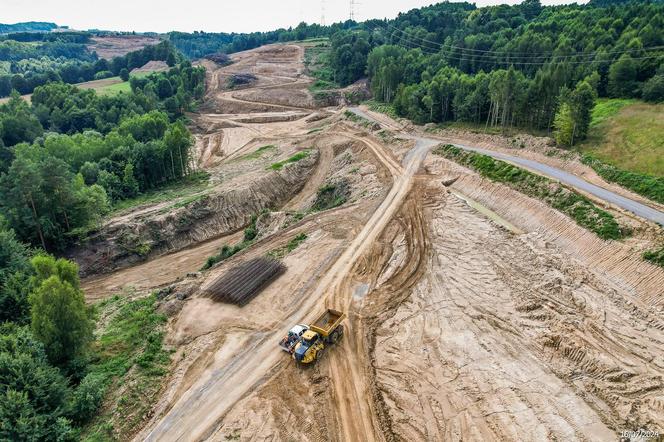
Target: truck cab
[
  {"x": 309, "y": 347},
  {"x": 289, "y": 341}
]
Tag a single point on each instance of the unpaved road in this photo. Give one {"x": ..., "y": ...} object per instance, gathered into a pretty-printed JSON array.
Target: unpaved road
[
  {"x": 642, "y": 210},
  {"x": 194, "y": 416},
  {"x": 458, "y": 329}
]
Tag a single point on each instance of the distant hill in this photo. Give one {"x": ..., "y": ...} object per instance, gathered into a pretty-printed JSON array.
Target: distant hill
[{"x": 31, "y": 26}]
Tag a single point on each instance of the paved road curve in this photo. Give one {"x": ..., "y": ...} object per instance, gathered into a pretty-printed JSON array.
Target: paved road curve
[{"x": 628, "y": 204}]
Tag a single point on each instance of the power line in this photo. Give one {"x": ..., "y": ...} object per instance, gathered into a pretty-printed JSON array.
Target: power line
[
  {"x": 495, "y": 58},
  {"x": 510, "y": 59},
  {"x": 488, "y": 54}
]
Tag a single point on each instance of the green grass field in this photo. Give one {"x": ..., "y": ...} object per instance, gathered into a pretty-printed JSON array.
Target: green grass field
[
  {"x": 113, "y": 89},
  {"x": 628, "y": 134}
]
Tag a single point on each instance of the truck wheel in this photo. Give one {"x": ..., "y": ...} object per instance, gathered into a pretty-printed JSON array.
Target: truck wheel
[{"x": 339, "y": 333}]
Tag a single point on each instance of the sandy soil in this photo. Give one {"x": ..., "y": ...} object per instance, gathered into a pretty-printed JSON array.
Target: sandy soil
[
  {"x": 474, "y": 313},
  {"x": 156, "y": 272},
  {"x": 115, "y": 46},
  {"x": 502, "y": 337}
]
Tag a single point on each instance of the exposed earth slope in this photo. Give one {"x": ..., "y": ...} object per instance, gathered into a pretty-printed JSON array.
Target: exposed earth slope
[{"x": 474, "y": 311}]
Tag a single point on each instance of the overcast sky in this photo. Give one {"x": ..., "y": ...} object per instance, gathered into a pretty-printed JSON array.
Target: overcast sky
[{"x": 206, "y": 15}]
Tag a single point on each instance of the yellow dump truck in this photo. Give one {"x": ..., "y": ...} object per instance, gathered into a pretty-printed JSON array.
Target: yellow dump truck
[{"x": 326, "y": 330}]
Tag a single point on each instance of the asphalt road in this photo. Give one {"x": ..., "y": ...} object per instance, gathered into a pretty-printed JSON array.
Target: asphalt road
[{"x": 567, "y": 178}]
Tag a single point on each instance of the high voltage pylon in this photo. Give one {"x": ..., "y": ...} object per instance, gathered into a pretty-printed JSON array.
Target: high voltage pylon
[
  {"x": 322, "y": 12},
  {"x": 351, "y": 15}
]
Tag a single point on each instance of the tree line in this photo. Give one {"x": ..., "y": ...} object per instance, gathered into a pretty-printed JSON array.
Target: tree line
[
  {"x": 64, "y": 159},
  {"x": 77, "y": 69},
  {"x": 199, "y": 44},
  {"x": 72, "y": 153},
  {"x": 525, "y": 65},
  {"x": 46, "y": 391},
  {"x": 453, "y": 62}
]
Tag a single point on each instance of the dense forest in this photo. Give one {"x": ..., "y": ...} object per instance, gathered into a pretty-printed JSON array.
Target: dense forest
[
  {"x": 199, "y": 44},
  {"x": 71, "y": 151},
  {"x": 31, "y": 26},
  {"x": 65, "y": 158},
  {"x": 529, "y": 66},
  {"x": 29, "y": 60}
]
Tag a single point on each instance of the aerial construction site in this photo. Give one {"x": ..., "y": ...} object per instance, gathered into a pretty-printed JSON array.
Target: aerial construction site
[{"x": 469, "y": 310}]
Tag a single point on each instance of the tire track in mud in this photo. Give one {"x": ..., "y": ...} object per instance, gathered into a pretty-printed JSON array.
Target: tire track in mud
[
  {"x": 196, "y": 414},
  {"x": 450, "y": 342},
  {"x": 432, "y": 351},
  {"x": 385, "y": 295},
  {"x": 611, "y": 259},
  {"x": 500, "y": 337},
  {"x": 353, "y": 405}
]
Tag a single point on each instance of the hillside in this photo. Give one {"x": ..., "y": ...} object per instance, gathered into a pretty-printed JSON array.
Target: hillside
[
  {"x": 628, "y": 134},
  {"x": 31, "y": 26},
  {"x": 478, "y": 191}
]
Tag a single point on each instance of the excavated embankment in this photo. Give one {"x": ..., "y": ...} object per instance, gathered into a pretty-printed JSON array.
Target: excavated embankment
[{"x": 221, "y": 212}]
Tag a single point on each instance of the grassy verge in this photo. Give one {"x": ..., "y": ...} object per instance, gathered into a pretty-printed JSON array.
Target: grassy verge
[
  {"x": 567, "y": 201},
  {"x": 288, "y": 248},
  {"x": 258, "y": 152},
  {"x": 294, "y": 159},
  {"x": 359, "y": 120},
  {"x": 606, "y": 108},
  {"x": 194, "y": 183},
  {"x": 130, "y": 362},
  {"x": 646, "y": 185},
  {"x": 655, "y": 256}
]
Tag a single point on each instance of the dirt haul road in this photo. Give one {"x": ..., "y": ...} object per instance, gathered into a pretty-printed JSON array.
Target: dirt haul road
[
  {"x": 195, "y": 415},
  {"x": 500, "y": 321}
]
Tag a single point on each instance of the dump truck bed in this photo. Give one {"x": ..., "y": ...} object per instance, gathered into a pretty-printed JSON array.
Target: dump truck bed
[{"x": 327, "y": 322}]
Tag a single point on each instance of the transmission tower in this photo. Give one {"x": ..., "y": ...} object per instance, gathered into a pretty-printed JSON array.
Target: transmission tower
[
  {"x": 353, "y": 3},
  {"x": 322, "y": 12}
]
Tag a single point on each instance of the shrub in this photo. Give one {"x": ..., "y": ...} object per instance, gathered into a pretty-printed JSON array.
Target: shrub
[
  {"x": 103, "y": 74},
  {"x": 330, "y": 196},
  {"x": 124, "y": 74},
  {"x": 655, "y": 256},
  {"x": 88, "y": 397},
  {"x": 653, "y": 89},
  {"x": 224, "y": 253},
  {"x": 567, "y": 201}
]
